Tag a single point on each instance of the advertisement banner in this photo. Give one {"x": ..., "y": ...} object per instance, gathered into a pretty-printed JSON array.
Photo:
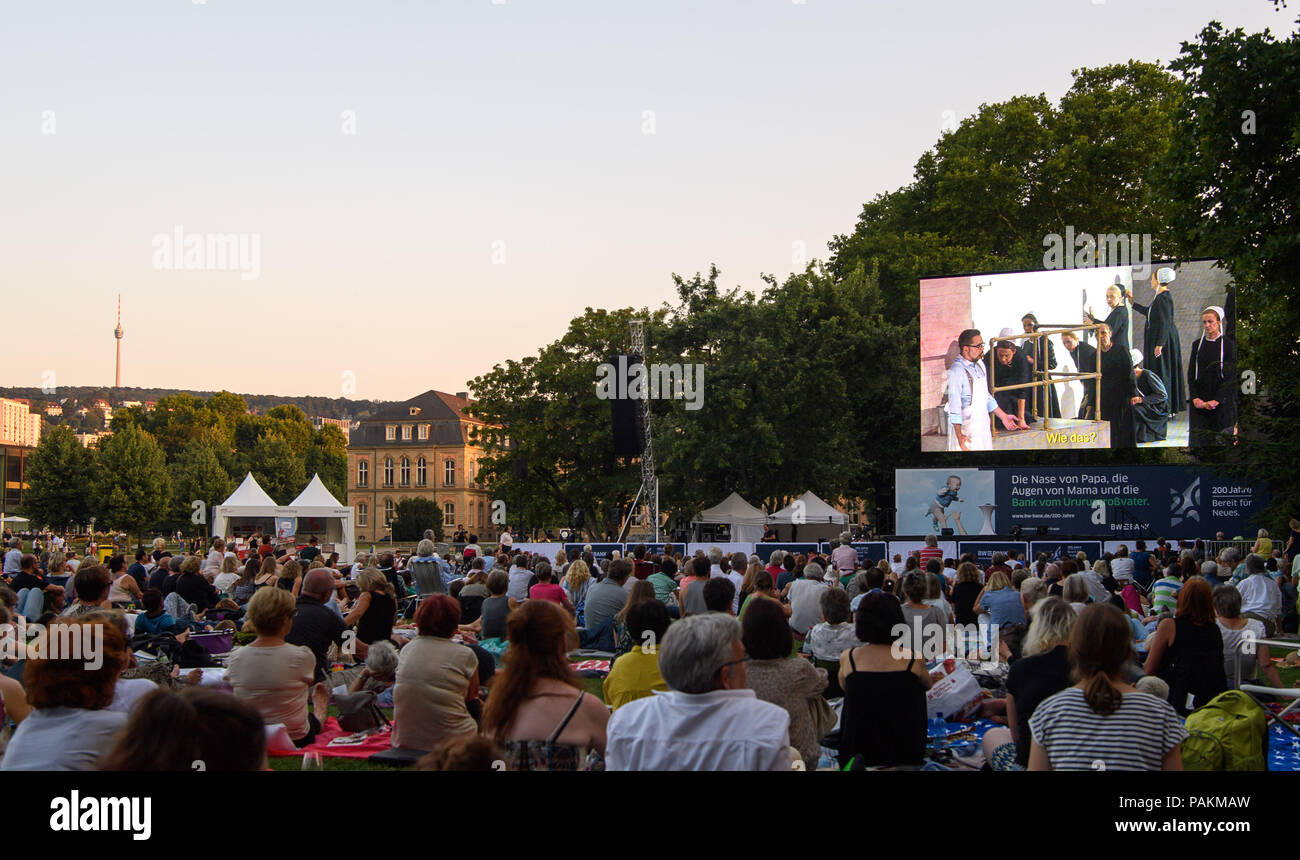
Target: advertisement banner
[
  {"x": 983, "y": 549},
  {"x": 599, "y": 551},
  {"x": 1059, "y": 549},
  {"x": 1101, "y": 501},
  {"x": 764, "y": 550},
  {"x": 869, "y": 552}
]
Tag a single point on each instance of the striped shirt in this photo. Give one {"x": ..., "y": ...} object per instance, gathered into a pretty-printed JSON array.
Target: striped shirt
[
  {"x": 1164, "y": 594},
  {"x": 1135, "y": 737}
]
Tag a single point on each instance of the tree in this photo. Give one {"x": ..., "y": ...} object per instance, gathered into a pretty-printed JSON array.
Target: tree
[
  {"x": 59, "y": 474},
  {"x": 328, "y": 457},
  {"x": 197, "y": 476},
  {"x": 413, "y": 516},
  {"x": 131, "y": 488},
  {"x": 548, "y": 442},
  {"x": 278, "y": 468},
  {"x": 1231, "y": 180}
]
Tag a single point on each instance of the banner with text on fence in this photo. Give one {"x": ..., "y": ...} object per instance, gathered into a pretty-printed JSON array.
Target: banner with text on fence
[{"x": 1112, "y": 501}]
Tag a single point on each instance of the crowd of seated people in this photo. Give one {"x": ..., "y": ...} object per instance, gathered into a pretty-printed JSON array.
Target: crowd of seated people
[{"x": 715, "y": 661}]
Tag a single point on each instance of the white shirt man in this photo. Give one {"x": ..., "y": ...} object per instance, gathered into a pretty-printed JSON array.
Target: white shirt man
[
  {"x": 722, "y": 726},
  {"x": 1261, "y": 595}
]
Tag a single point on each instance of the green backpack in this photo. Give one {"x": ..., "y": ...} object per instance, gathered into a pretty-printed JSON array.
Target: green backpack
[{"x": 1229, "y": 732}]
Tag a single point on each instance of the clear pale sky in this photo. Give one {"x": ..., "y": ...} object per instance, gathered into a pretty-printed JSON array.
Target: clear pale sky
[{"x": 475, "y": 123}]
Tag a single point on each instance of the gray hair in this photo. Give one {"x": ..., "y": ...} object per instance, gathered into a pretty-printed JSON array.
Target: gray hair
[
  {"x": 425, "y": 548},
  {"x": 715, "y": 555},
  {"x": 753, "y": 559},
  {"x": 1230, "y": 555},
  {"x": 1032, "y": 590},
  {"x": 428, "y": 534},
  {"x": 845, "y": 538},
  {"x": 777, "y": 556},
  {"x": 381, "y": 660},
  {"x": 695, "y": 649},
  {"x": 813, "y": 571},
  {"x": 1227, "y": 601},
  {"x": 363, "y": 558},
  {"x": 1075, "y": 589}
]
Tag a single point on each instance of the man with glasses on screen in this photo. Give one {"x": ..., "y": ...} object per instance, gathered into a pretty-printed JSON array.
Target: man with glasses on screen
[{"x": 969, "y": 401}]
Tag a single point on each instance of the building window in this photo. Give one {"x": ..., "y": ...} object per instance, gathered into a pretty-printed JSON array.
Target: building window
[
  {"x": 388, "y": 512},
  {"x": 421, "y": 472},
  {"x": 423, "y": 431},
  {"x": 363, "y": 514},
  {"x": 449, "y": 473},
  {"x": 406, "y": 472},
  {"x": 470, "y": 520},
  {"x": 388, "y": 472},
  {"x": 449, "y": 512},
  {"x": 390, "y": 432},
  {"x": 482, "y": 520},
  {"x": 406, "y": 432},
  {"x": 363, "y": 473}
]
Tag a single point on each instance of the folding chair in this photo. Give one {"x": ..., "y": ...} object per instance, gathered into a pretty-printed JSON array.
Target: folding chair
[{"x": 1257, "y": 690}]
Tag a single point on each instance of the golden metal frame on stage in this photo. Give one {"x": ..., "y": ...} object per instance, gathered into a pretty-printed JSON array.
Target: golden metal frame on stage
[{"x": 1048, "y": 374}]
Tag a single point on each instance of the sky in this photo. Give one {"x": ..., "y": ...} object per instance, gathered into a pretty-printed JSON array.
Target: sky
[{"x": 425, "y": 189}]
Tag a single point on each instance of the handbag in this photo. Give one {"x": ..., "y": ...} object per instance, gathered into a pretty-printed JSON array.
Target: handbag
[
  {"x": 823, "y": 716},
  {"x": 359, "y": 713}
]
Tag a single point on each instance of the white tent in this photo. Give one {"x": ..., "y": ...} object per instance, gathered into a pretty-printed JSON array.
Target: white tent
[
  {"x": 317, "y": 502},
  {"x": 248, "y": 502},
  {"x": 808, "y": 508},
  {"x": 746, "y": 521},
  {"x": 250, "y": 506}
]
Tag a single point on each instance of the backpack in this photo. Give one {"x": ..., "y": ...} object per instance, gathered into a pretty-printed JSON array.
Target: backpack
[{"x": 1229, "y": 732}]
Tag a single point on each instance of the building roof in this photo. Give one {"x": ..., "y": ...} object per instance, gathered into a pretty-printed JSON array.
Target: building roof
[{"x": 433, "y": 405}]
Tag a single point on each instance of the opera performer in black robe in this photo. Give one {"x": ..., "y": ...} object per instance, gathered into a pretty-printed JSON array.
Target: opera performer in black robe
[
  {"x": 1041, "y": 355},
  {"x": 1117, "y": 319},
  {"x": 1118, "y": 390},
  {"x": 1160, "y": 341},
  {"x": 1151, "y": 416},
  {"x": 1212, "y": 381},
  {"x": 1084, "y": 356}
]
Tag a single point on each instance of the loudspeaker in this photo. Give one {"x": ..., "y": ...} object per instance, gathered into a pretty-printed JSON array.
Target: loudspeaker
[
  {"x": 622, "y": 412},
  {"x": 945, "y": 531}
]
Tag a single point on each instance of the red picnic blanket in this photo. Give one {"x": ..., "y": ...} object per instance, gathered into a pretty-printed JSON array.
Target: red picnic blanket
[{"x": 377, "y": 742}]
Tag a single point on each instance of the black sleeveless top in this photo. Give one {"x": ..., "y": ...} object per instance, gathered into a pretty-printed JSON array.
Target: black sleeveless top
[
  {"x": 377, "y": 622},
  {"x": 1193, "y": 665},
  {"x": 883, "y": 722}
]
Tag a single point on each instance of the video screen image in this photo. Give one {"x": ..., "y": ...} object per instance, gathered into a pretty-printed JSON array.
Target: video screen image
[{"x": 1077, "y": 359}]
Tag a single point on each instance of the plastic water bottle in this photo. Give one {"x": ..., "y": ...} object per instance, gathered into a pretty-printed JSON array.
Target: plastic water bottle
[{"x": 939, "y": 729}]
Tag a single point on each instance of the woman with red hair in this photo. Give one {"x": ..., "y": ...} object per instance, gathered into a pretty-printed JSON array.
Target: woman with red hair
[
  {"x": 70, "y": 688},
  {"x": 436, "y": 680},
  {"x": 1187, "y": 650},
  {"x": 537, "y": 712}
]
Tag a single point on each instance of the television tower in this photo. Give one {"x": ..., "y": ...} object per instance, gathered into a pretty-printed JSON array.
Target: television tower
[{"x": 117, "y": 333}]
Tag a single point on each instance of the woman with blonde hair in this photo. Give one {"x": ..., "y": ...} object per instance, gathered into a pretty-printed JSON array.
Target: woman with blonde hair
[
  {"x": 274, "y": 676},
  {"x": 747, "y": 584},
  {"x": 375, "y": 609},
  {"x": 1042, "y": 671},
  {"x": 290, "y": 578},
  {"x": 229, "y": 574},
  {"x": 269, "y": 573},
  {"x": 576, "y": 582}
]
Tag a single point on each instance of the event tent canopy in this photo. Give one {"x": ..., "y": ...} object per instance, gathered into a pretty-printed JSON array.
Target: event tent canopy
[
  {"x": 250, "y": 502},
  {"x": 746, "y": 521},
  {"x": 810, "y": 509}
]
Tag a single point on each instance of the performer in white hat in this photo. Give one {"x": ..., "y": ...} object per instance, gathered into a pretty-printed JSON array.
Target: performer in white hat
[
  {"x": 1160, "y": 339},
  {"x": 1212, "y": 380}
]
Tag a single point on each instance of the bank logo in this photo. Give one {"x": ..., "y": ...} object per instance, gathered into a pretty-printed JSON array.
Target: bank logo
[{"x": 1185, "y": 505}]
